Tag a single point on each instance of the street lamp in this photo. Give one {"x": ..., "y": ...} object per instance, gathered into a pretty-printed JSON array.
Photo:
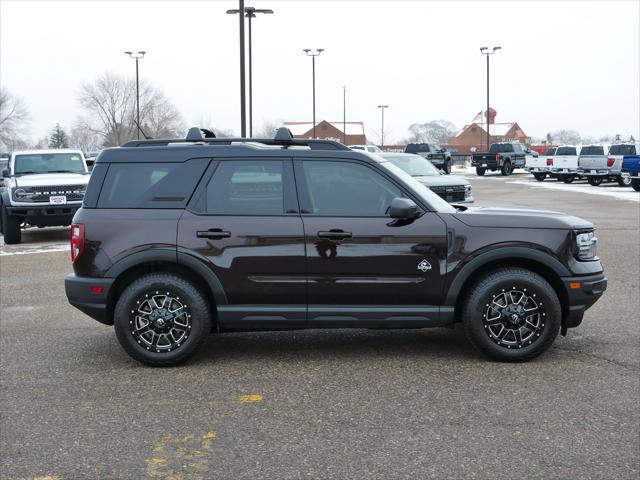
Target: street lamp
[
  {"x": 382, "y": 107},
  {"x": 485, "y": 51},
  {"x": 243, "y": 116},
  {"x": 313, "y": 56},
  {"x": 137, "y": 57},
  {"x": 344, "y": 115},
  {"x": 250, "y": 13}
]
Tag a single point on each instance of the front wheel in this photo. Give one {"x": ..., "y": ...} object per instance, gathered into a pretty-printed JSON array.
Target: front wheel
[
  {"x": 635, "y": 183},
  {"x": 506, "y": 169},
  {"x": 594, "y": 181},
  {"x": 10, "y": 227},
  {"x": 512, "y": 315},
  {"x": 540, "y": 176},
  {"x": 480, "y": 171},
  {"x": 447, "y": 167},
  {"x": 624, "y": 181},
  {"x": 161, "y": 319}
]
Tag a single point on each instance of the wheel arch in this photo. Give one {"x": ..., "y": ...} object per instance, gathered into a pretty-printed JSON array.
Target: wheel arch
[{"x": 538, "y": 262}]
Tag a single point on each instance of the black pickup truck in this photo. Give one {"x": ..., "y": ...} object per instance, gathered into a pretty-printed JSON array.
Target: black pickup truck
[
  {"x": 437, "y": 155},
  {"x": 501, "y": 156}
]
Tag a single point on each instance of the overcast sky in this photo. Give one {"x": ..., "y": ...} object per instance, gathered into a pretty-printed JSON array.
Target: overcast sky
[{"x": 572, "y": 65}]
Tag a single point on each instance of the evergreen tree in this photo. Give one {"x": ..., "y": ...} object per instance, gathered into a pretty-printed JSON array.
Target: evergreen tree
[{"x": 58, "y": 138}]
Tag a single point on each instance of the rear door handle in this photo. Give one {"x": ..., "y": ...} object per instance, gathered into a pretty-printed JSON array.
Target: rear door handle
[
  {"x": 335, "y": 234},
  {"x": 213, "y": 233}
]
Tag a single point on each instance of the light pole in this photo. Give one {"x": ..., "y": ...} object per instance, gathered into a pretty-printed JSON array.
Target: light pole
[
  {"x": 313, "y": 56},
  {"x": 137, "y": 56},
  {"x": 344, "y": 115},
  {"x": 243, "y": 115},
  {"x": 485, "y": 51},
  {"x": 250, "y": 13},
  {"x": 382, "y": 107}
]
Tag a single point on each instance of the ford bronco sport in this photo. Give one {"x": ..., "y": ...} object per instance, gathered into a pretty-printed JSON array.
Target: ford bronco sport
[{"x": 180, "y": 238}]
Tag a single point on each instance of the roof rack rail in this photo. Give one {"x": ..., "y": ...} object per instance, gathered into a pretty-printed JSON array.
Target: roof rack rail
[{"x": 282, "y": 138}]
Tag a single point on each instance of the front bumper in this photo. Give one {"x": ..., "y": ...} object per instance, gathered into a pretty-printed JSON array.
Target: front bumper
[
  {"x": 47, "y": 215},
  {"x": 582, "y": 293},
  {"x": 90, "y": 296}
]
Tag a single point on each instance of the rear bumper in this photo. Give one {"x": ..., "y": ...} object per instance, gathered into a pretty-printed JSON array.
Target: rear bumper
[
  {"x": 90, "y": 296},
  {"x": 582, "y": 293},
  {"x": 595, "y": 172},
  {"x": 537, "y": 169}
]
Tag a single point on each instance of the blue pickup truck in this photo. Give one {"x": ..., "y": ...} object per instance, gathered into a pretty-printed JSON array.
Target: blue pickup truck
[{"x": 631, "y": 165}]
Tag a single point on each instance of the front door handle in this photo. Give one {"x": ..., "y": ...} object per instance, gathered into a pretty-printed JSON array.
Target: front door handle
[
  {"x": 335, "y": 234},
  {"x": 213, "y": 233}
]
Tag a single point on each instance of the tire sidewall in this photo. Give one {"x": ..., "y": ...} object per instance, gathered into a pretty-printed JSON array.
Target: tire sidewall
[
  {"x": 484, "y": 290},
  {"x": 193, "y": 299}
]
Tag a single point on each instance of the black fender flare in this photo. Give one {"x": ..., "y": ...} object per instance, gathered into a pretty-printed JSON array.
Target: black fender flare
[
  {"x": 169, "y": 255},
  {"x": 5, "y": 200},
  {"x": 503, "y": 253}
]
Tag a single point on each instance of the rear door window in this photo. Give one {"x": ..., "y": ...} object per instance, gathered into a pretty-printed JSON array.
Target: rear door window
[
  {"x": 595, "y": 150},
  {"x": 151, "y": 185},
  {"x": 566, "y": 151}
]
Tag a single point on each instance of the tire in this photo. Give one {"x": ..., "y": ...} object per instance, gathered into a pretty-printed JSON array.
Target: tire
[
  {"x": 179, "y": 336},
  {"x": 569, "y": 178},
  {"x": 594, "y": 181},
  {"x": 505, "y": 287},
  {"x": 540, "y": 176},
  {"x": 506, "y": 169},
  {"x": 635, "y": 183},
  {"x": 480, "y": 171},
  {"x": 624, "y": 181},
  {"x": 10, "y": 228},
  {"x": 447, "y": 167}
]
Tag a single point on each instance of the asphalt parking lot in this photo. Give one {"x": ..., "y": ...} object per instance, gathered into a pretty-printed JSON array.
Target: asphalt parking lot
[{"x": 325, "y": 404}]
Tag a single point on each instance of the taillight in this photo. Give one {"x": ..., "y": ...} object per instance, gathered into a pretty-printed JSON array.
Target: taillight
[
  {"x": 77, "y": 241},
  {"x": 498, "y": 159},
  {"x": 610, "y": 162},
  {"x": 549, "y": 162}
]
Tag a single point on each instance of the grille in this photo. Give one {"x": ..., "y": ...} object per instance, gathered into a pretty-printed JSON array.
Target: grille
[
  {"x": 450, "y": 193},
  {"x": 73, "y": 192}
]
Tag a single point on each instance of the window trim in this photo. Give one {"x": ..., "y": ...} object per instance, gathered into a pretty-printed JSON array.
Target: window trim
[{"x": 303, "y": 190}]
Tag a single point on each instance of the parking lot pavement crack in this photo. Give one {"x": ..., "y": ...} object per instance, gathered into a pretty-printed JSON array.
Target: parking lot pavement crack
[{"x": 630, "y": 366}]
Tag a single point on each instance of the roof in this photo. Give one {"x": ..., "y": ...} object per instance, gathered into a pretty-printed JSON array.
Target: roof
[
  {"x": 47, "y": 151},
  {"x": 497, "y": 129},
  {"x": 300, "y": 128}
]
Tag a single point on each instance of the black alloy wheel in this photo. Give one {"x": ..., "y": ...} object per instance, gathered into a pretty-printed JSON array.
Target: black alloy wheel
[
  {"x": 512, "y": 315},
  {"x": 568, "y": 178},
  {"x": 635, "y": 183},
  {"x": 480, "y": 171},
  {"x": 506, "y": 169},
  {"x": 540, "y": 176},
  {"x": 594, "y": 181}
]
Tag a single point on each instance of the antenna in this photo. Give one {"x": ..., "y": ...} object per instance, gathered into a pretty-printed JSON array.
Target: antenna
[{"x": 146, "y": 137}]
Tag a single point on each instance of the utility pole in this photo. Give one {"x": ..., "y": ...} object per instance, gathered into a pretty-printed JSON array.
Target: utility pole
[
  {"x": 485, "y": 51},
  {"x": 382, "y": 107},
  {"x": 313, "y": 56},
  {"x": 137, "y": 56}
]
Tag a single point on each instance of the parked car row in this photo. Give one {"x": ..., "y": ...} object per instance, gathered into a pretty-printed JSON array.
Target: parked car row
[{"x": 596, "y": 163}]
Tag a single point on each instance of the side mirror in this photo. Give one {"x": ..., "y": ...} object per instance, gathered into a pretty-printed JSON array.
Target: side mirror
[
  {"x": 5, "y": 173},
  {"x": 403, "y": 208}
]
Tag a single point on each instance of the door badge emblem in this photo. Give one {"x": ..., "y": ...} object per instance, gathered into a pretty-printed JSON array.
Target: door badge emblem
[{"x": 424, "y": 266}]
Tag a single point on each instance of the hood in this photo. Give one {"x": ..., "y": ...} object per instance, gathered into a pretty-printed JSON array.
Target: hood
[
  {"x": 512, "y": 217},
  {"x": 48, "y": 179},
  {"x": 441, "y": 181}
]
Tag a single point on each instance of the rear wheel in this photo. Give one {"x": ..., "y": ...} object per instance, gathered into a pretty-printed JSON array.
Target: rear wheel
[
  {"x": 635, "y": 183},
  {"x": 624, "y": 181},
  {"x": 161, "y": 319},
  {"x": 568, "y": 178},
  {"x": 512, "y": 315},
  {"x": 10, "y": 227},
  {"x": 594, "y": 181},
  {"x": 506, "y": 168},
  {"x": 480, "y": 171},
  {"x": 540, "y": 176}
]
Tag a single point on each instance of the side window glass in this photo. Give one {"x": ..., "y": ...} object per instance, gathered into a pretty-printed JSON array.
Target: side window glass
[
  {"x": 151, "y": 185},
  {"x": 241, "y": 187},
  {"x": 344, "y": 189}
]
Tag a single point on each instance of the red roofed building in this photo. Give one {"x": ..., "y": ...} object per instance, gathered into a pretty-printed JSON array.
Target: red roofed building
[{"x": 329, "y": 131}]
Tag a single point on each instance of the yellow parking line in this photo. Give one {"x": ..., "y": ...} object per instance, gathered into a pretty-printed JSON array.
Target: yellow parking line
[{"x": 256, "y": 397}]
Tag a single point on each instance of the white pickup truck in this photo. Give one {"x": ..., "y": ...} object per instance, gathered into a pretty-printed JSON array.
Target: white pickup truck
[
  {"x": 564, "y": 165},
  {"x": 597, "y": 164},
  {"x": 41, "y": 188},
  {"x": 540, "y": 165}
]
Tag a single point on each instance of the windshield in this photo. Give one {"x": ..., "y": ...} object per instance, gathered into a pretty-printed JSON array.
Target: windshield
[
  {"x": 501, "y": 148},
  {"x": 566, "y": 151},
  {"x": 414, "y": 165},
  {"x": 595, "y": 150},
  {"x": 433, "y": 200},
  {"x": 49, "y": 163},
  {"x": 622, "y": 150},
  {"x": 551, "y": 151},
  {"x": 416, "y": 147}
]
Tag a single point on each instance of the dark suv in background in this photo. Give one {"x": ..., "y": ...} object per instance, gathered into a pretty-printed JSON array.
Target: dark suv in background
[
  {"x": 437, "y": 155},
  {"x": 180, "y": 238}
]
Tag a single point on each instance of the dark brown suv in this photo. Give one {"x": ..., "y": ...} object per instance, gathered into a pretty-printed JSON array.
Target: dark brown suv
[{"x": 180, "y": 238}]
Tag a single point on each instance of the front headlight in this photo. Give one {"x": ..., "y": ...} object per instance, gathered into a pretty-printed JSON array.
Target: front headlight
[
  {"x": 586, "y": 246},
  {"x": 22, "y": 194}
]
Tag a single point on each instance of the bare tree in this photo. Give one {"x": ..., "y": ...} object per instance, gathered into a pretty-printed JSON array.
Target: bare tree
[
  {"x": 14, "y": 118},
  {"x": 565, "y": 137},
  {"x": 268, "y": 129},
  {"x": 435, "y": 131},
  {"x": 111, "y": 102},
  {"x": 83, "y": 137}
]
